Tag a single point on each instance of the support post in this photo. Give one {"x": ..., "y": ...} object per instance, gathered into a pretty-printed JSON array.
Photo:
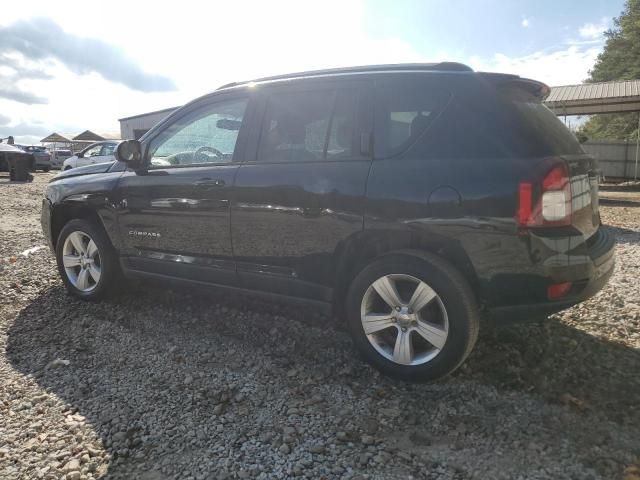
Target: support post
[{"x": 635, "y": 173}]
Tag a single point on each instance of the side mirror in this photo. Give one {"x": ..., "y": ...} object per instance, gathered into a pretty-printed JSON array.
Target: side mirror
[
  {"x": 80, "y": 155},
  {"x": 129, "y": 151}
]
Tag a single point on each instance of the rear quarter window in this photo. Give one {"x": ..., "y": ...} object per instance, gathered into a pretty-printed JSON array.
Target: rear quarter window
[
  {"x": 466, "y": 119},
  {"x": 537, "y": 128},
  {"x": 404, "y": 110}
]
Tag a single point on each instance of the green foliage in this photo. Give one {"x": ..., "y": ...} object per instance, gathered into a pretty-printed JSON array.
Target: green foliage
[
  {"x": 620, "y": 60},
  {"x": 611, "y": 126}
]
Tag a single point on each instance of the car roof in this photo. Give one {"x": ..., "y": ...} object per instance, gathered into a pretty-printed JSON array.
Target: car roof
[{"x": 453, "y": 67}]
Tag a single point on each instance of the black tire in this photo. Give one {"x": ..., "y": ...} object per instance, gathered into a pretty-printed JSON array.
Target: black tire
[
  {"x": 454, "y": 293},
  {"x": 110, "y": 269},
  {"x": 67, "y": 168},
  {"x": 46, "y": 169}
]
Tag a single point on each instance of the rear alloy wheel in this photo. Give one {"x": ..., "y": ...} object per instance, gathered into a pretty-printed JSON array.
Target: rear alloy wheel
[
  {"x": 412, "y": 315},
  {"x": 86, "y": 260},
  {"x": 407, "y": 331}
]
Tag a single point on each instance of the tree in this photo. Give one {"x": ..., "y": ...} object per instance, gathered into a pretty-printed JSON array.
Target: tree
[{"x": 619, "y": 60}]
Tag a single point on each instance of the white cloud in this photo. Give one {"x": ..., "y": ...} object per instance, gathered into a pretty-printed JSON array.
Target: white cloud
[
  {"x": 200, "y": 47},
  {"x": 525, "y": 22},
  {"x": 594, "y": 31},
  {"x": 204, "y": 44},
  {"x": 563, "y": 66}
]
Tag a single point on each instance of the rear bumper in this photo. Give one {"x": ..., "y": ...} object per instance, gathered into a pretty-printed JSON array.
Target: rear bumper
[
  {"x": 589, "y": 276},
  {"x": 42, "y": 162}
]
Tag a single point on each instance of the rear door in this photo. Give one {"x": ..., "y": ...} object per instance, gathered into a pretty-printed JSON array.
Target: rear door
[
  {"x": 299, "y": 196},
  {"x": 174, "y": 215}
]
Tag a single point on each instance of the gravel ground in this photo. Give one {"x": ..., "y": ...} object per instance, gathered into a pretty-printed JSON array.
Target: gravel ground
[{"x": 162, "y": 384}]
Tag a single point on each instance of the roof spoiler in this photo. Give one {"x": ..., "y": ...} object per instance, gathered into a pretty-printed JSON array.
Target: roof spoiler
[{"x": 538, "y": 89}]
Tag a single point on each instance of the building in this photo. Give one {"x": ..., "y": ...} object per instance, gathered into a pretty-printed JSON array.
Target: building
[
  {"x": 76, "y": 142},
  {"x": 136, "y": 126}
]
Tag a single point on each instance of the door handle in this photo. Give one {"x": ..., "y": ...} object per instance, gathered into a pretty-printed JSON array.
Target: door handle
[{"x": 208, "y": 182}]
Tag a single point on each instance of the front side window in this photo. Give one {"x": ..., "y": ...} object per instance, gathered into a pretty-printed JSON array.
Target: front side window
[
  {"x": 308, "y": 126},
  {"x": 93, "y": 151},
  {"x": 206, "y": 136},
  {"x": 108, "y": 148}
]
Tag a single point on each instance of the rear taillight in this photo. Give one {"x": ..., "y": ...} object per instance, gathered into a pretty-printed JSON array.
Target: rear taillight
[{"x": 548, "y": 203}]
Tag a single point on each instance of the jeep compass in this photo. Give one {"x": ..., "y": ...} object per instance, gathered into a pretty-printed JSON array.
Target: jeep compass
[{"x": 409, "y": 200}]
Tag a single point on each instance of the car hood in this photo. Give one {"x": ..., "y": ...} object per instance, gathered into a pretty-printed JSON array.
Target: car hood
[{"x": 86, "y": 170}]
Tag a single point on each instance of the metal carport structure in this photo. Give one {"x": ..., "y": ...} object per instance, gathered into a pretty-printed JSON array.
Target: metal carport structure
[{"x": 593, "y": 98}]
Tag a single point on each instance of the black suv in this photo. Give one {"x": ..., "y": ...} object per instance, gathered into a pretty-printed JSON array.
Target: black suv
[{"x": 408, "y": 199}]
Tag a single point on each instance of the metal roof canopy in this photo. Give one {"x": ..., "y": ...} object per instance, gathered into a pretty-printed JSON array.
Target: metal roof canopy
[
  {"x": 55, "y": 138},
  {"x": 592, "y": 98}
]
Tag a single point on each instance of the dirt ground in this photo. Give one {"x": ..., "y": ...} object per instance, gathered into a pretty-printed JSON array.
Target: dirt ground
[{"x": 158, "y": 384}]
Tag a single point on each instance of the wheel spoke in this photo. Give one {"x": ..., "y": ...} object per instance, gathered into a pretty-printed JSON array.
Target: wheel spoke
[
  {"x": 95, "y": 272},
  {"x": 403, "y": 350},
  {"x": 76, "y": 241},
  {"x": 374, "y": 322},
  {"x": 83, "y": 279},
  {"x": 92, "y": 249},
  {"x": 433, "y": 334},
  {"x": 387, "y": 291},
  {"x": 70, "y": 261},
  {"x": 422, "y": 296}
]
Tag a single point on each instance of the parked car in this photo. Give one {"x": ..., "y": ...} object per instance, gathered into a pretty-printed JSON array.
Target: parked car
[
  {"x": 58, "y": 156},
  {"x": 410, "y": 200},
  {"x": 41, "y": 156},
  {"x": 100, "y": 152}
]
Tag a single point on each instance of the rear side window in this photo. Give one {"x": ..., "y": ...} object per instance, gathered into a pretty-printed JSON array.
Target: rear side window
[
  {"x": 537, "y": 127},
  {"x": 469, "y": 117},
  {"x": 405, "y": 109},
  {"x": 308, "y": 126}
]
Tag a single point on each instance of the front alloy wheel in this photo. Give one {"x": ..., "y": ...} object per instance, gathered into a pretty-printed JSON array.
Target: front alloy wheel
[
  {"x": 81, "y": 260},
  {"x": 87, "y": 262}
]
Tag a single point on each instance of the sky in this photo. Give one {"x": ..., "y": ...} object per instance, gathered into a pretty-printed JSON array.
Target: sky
[{"x": 67, "y": 66}]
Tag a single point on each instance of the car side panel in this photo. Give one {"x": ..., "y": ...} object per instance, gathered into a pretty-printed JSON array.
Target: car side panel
[{"x": 80, "y": 195}]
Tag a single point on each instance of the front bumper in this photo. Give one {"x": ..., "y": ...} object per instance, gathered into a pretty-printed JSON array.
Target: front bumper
[{"x": 45, "y": 222}]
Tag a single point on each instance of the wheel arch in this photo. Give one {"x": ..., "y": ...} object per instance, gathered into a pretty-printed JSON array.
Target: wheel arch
[
  {"x": 363, "y": 248},
  {"x": 64, "y": 213}
]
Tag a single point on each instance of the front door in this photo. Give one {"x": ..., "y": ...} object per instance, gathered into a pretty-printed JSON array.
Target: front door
[
  {"x": 106, "y": 154},
  {"x": 174, "y": 214},
  {"x": 89, "y": 156},
  {"x": 299, "y": 196}
]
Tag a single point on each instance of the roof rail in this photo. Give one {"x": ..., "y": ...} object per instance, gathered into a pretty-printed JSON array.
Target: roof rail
[{"x": 427, "y": 67}]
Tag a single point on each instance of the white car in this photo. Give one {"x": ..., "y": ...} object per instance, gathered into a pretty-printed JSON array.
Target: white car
[{"x": 100, "y": 152}]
